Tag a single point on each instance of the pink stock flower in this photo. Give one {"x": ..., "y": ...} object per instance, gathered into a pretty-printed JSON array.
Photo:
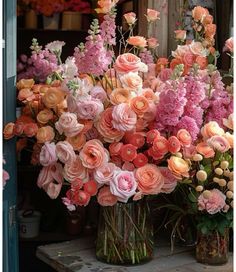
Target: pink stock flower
[
  {"x": 65, "y": 152},
  {"x": 214, "y": 204},
  {"x": 123, "y": 185},
  {"x": 48, "y": 154}
]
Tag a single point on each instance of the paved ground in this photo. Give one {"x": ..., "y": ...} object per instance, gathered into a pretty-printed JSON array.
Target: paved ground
[{"x": 79, "y": 256}]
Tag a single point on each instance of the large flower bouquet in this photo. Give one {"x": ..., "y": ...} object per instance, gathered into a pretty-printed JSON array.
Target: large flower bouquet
[
  {"x": 121, "y": 127},
  {"x": 49, "y": 7},
  {"x": 77, "y": 5}
]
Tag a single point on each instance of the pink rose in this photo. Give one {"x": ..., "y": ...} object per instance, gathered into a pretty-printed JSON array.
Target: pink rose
[
  {"x": 152, "y": 15},
  {"x": 75, "y": 170},
  {"x": 124, "y": 119},
  {"x": 65, "y": 152},
  {"x": 48, "y": 154},
  {"x": 93, "y": 154},
  {"x": 97, "y": 92},
  {"x": 170, "y": 180},
  {"x": 128, "y": 62},
  {"x": 130, "y": 18},
  {"x": 197, "y": 49},
  {"x": 137, "y": 41},
  {"x": 123, "y": 185},
  {"x": 68, "y": 124},
  {"x": 152, "y": 42},
  {"x": 214, "y": 203},
  {"x": 47, "y": 177},
  {"x": 104, "y": 174},
  {"x": 89, "y": 109},
  {"x": 219, "y": 143},
  {"x": 132, "y": 81},
  {"x": 105, "y": 197},
  {"x": 229, "y": 45},
  {"x": 180, "y": 34}
]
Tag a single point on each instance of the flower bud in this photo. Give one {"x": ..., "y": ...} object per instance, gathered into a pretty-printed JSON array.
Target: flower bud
[
  {"x": 219, "y": 171},
  {"x": 230, "y": 185},
  {"x": 226, "y": 208},
  {"x": 201, "y": 175},
  {"x": 206, "y": 194},
  {"x": 216, "y": 180},
  {"x": 224, "y": 164},
  {"x": 232, "y": 203},
  {"x": 230, "y": 194},
  {"x": 226, "y": 173},
  {"x": 231, "y": 175},
  {"x": 197, "y": 157},
  {"x": 222, "y": 182},
  {"x": 178, "y": 154},
  {"x": 199, "y": 188}
]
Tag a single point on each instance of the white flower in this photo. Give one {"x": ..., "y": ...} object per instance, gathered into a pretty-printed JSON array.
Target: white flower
[
  {"x": 55, "y": 46},
  {"x": 70, "y": 70}
]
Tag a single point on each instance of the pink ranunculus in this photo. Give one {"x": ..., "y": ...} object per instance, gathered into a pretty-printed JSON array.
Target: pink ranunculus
[
  {"x": 50, "y": 179},
  {"x": 123, "y": 185},
  {"x": 229, "y": 45},
  {"x": 214, "y": 204},
  {"x": 65, "y": 152},
  {"x": 128, "y": 62},
  {"x": 48, "y": 154},
  {"x": 75, "y": 170},
  {"x": 93, "y": 154},
  {"x": 104, "y": 174},
  {"x": 68, "y": 124},
  {"x": 219, "y": 143},
  {"x": 173, "y": 144},
  {"x": 105, "y": 197},
  {"x": 97, "y": 92},
  {"x": 89, "y": 109},
  {"x": 189, "y": 151},
  {"x": 124, "y": 119},
  {"x": 170, "y": 181}
]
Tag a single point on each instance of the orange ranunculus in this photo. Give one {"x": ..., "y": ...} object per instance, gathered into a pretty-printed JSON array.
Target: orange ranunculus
[
  {"x": 202, "y": 62},
  {"x": 178, "y": 166},
  {"x": 77, "y": 141},
  {"x": 45, "y": 134},
  {"x": 210, "y": 30},
  {"x": 199, "y": 13},
  {"x": 120, "y": 95},
  {"x": 25, "y": 94},
  {"x": 204, "y": 149},
  {"x": 30, "y": 129},
  {"x": 137, "y": 139},
  {"x": 91, "y": 187},
  {"x": 137, "y": 41},
  {"x": 115, "y": 148},
  {"x": 140, "y": 160},
  {"x": 210, "y": 129},
  {"x": 149, "y": 178},
  {"x": 176, "y": 62},
  {"x": 173, "y": 144},
  {"x": 9, "y": 131},
  {"x": 139, "y": 105},
  {"x": 44, "y": 116},
  {"x": 25, "y": 83},
  {"x": 18, "y": 128},
  {"x": 160, "y": 145},
  {"x": 53, "y": 97},
  {"x": 105, "y": 197},
  {"x": 81, "y": 198},
  {"x": 184, "y": 137},
  {"x": 151, "y": 135},
  {"x": 128, "y": 152}
]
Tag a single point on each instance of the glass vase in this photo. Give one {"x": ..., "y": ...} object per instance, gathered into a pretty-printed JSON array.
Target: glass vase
[
  {"x": 125, "y": 234},
  {"x": 212, "y": 248}
]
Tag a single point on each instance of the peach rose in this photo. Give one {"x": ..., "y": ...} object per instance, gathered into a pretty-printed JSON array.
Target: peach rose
[
  {"x": 150, "y": 179},
  {"x": 75, "y": 170},
  {"x": 208, "y": 19},
  {"x": 30, "y": 129},
  {"x": 130, "y": 18},
  {"x": 45, "y": 134},
  {"x": 210, "y": 129},
  {"x": 204, "y": 149},
  {"x": 93, "y": 154},
  {"x": 44, "y": 116},
  {"x": 106, "y": 129},
  {"x": 178, "y": 166},
  {"x": 149, "y": 95},
  {"x": 132, "y": 81},
  {"x": 104, "y": 174},
  {"x": 129, "y": 63},
  {"x": 120, "y": 95},
  {"x": 9, "y": 131},
  {"x": 210, "y": 30},
  {"x": 197, "y": 49},
  {"x": 184, "y": 137},
  {"x": 105, "y": 6},
  {"x": 188, "y": 59},
  {"x": 68, "y": 124},
  {"x": 52, "y": 97},
  {"x": 77, "y": 141},
  {"x": 139, "y": 105},
  {"x": 152, "y": 15},
  {"x": 124, "y": 119},
  {"x": 137, "y": 41},
  {"x": 65, "y": 152},
  {"x": 25, "y": 95},
  {"x": 230, "y": 138},
  {"x": 25, "y": 83},
  {"x": 198, "y": 13},
  {"x": 105, "y": 197},
  {"x": 180, "y": 34},
  {"x": 48, "y": 154}
]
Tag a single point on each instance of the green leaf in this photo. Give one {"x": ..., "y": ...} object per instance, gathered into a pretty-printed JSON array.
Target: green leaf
[{"x": 192, "y": 197}]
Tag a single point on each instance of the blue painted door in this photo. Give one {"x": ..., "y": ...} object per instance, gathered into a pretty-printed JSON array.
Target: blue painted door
[{"x": 10, "y": 231}]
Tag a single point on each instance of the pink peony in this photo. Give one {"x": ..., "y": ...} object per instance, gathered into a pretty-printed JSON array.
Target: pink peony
[
  {"x": 48, "y": 154},
  {"x": 214, "y": 204},
  {"x": 123, "y": 185},
  {"x": 65, "y": 152}
]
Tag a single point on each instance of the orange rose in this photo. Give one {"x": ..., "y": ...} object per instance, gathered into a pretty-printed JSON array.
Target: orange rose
[
  {"x": 208, "y": 19},
  {"x": 25, "y": 83},
  {"x": 44, "y": 116},
  {"x": 25, "y": 94},
  {"x": 105, "y": 197},
  {"x": 139, "y": 105},
  {"x": 120, "y": 95},
  {"x": 137, "y": 41},
  {"x": 9, "y": 131},
  {"x": 150, "y": 179},
  {"x": 210, "y": 129},
  {"x": 180, "y": 34},
  {"x": 77, "y": 141},
  {"x": 204, "y": 149},
  {"x": 178, "y": 166},
  {"x": 45, "y": 134},
  {"x": 210, "y": 30},
  {"x": 198, "y": 13},
  {"x": 53, "y": 97}
]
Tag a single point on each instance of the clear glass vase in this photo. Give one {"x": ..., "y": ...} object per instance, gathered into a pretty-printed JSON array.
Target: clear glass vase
[
  {"x": 125, "y": 233},
  {"x": 212, "y": 248}
]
